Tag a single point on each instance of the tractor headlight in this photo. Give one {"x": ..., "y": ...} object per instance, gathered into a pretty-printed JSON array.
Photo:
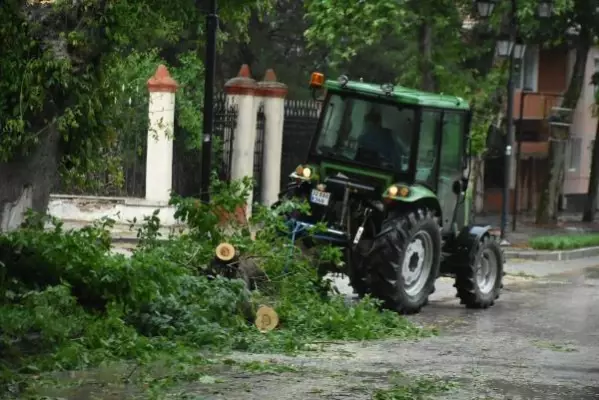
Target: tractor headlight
[
  {"x": 401, "y": 191},
  {"x": 306, "y": 172}
]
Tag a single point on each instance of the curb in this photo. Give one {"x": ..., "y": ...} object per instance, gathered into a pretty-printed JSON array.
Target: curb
[
  {"x": 125, "y": 239},
  {"x": 557, "y": 255}
]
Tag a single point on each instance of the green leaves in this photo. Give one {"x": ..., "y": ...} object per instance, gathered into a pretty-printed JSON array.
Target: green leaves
[
  {"x": 88, "y": 78},
  {"x": 68, "y": 302}
]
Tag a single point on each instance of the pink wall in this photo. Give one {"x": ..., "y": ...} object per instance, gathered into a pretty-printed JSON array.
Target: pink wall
[{"x": 583, "y": 127}]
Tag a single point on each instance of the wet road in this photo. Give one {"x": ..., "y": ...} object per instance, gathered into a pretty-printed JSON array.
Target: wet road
[{"x": 539, "y": 341}]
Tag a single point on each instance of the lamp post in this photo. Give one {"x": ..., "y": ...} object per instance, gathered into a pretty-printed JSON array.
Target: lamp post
[
  {"x": 509, "y": 47},
  {"x": 208, "y": 128}
]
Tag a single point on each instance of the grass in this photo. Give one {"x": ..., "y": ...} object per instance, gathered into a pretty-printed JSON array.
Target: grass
[
  {"x": 592, "y": 272},
  {"x": 558, "y": 347},
  {"x": 564, "y": 242},
  {"x": 522, "y": 274},
  {"x": 414, "y": 389}
]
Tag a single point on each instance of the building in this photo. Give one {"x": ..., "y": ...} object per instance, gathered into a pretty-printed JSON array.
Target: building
[{"x": 541, "y": 78}]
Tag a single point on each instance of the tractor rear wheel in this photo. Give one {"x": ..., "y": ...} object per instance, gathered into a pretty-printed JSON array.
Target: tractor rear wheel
[
  {"x": 404, "y": 261},
  {"x": 479, "y": 279}
]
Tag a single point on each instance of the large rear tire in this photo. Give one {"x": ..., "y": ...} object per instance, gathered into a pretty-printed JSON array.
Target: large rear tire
[
  {"x": 404, "y": 261},
  {"x": 479, "y": 278},
  {"x": 356, "y": 272}
]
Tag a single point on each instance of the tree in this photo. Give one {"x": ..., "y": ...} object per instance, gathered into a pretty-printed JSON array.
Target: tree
[
  {"x": 590, "y": 205},
  {"x": 581, "y": 17},
  {"x": 275, "y": 39},
  {"x": 57, "y": 94}
]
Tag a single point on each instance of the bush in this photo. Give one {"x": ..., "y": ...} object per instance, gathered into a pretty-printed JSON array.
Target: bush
[
  {"x": 68, "y": 302},
  {"x": 562, "y": 242}
]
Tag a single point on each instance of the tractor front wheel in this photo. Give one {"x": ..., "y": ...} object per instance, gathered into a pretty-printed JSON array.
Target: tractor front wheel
[
  {"x": 479, "y": 279},
  {"x": 404, "y": 261}
]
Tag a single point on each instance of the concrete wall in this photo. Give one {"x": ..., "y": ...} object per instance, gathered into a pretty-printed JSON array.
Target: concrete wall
[
  {"x": 583, "y": 128},
  {"x": 241, "y": 90},
  {"x": 122, "y": 210}
]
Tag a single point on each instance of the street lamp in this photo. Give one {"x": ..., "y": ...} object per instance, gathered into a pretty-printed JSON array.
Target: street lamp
[
  {"x": 208, "y": 128},
  {"x": 506, "y": 47},
  {"x": 545, "y": 9},
  {"x": 485, "y": 8},
  {"x": 510, "y": 48}
]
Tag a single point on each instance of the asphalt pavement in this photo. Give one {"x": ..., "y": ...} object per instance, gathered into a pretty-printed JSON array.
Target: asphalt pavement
[{"x": 539, "y": 341}]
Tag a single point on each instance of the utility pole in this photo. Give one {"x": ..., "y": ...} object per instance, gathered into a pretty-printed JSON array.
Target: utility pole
[
  {"x": 510, "y": 124},
  {"x": 208, "y": 128}
]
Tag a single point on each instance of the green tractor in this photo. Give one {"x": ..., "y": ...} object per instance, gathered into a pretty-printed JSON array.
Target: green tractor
[{"x": 387, "y": 172}]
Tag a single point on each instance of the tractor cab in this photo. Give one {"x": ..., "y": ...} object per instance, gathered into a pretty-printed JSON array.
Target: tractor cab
[
  {"x": 394, "y": 145},
  {"x": 386, "y": 173}
]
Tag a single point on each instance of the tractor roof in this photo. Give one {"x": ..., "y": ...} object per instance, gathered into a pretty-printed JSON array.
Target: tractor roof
[{"x": 401, "y": 94}]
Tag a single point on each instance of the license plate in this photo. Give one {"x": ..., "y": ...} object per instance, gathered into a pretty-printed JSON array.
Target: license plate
[{"x": 318, "y": 197}]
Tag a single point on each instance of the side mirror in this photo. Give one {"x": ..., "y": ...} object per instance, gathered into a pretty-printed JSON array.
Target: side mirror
[
  {"x": 459, "y": 186},
  {"x": 318, "y": 94}
]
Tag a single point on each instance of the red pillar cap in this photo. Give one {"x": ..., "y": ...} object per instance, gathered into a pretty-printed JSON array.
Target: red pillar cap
[
  {"x": 242, "y": 84},
  {"x": 162, "y": 81},
  {"x": 270, "y": 87}
]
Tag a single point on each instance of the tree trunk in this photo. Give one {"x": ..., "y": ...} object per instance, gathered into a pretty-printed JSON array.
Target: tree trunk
[
  {"x": 549, "y": 197},
  {"x": 26, "y": 181},
  {"x": 590, "y": 205},
  {"x": 425, "y": 48},
  {"x": 477, "y": 183}
]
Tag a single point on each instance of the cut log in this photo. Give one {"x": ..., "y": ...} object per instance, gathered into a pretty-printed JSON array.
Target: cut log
[
  {"x": 226, "y": 253},
  {"x": 228, "y": 263},
  {"x": 267, "y": 319}
]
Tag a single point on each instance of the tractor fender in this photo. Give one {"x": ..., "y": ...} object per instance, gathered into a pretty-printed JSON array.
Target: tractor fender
[
  {"x": 418, "y": 195},
  {"x": 470, "y": 235}
]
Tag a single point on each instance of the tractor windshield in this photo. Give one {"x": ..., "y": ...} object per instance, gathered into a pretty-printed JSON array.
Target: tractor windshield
[{"x": 367, "y": 132}]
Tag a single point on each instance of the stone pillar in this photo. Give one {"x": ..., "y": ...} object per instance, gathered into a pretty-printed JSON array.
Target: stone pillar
[
  {"x": 274, "y": 94},
  {"x": 159, "y": 162},
  {"x": 241, "y": 91}
]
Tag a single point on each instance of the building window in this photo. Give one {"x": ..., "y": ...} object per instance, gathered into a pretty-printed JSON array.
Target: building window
[
  {"x": 526, "y": 70},
  {"x": 574, "y": 154}
]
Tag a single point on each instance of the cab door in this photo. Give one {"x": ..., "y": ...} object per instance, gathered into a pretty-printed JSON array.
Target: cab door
[
  {"x": 451, "y": 164},
  {"x": 427, "y": 158}
]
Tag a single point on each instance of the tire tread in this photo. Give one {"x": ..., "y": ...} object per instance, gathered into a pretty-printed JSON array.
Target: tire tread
[{"x": 387, "y": 250}]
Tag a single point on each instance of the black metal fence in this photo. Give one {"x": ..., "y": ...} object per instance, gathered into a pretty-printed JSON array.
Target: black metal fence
[
  {"x": 122, "y": 174},
  {"x": 187, "y": 162},
  {"x": 301, "y": 117},
  {"x": 225, "y": 122},
  {"x": 259, "y": 153}
]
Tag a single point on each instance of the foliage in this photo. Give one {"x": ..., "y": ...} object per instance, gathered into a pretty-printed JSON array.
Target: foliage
[
  {"x": 458, "y": 60},
  {"x": 455, "y": 58},
  {"x": 68, "y": 302},
  {"x": 406, "y": 388},
  {"x": 80, "y": 68},
  {"x": 564, "y": 242}
]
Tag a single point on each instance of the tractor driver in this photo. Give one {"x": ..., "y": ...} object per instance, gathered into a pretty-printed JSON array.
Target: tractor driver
[{"x": 376, "y": 142}]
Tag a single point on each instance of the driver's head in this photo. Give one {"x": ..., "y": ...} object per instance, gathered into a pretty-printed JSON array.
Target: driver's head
[{"x": 374, "y": 117}]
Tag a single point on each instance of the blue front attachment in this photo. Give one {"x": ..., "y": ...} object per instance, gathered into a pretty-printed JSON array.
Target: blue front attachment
[{"x": 298, "y": 230}]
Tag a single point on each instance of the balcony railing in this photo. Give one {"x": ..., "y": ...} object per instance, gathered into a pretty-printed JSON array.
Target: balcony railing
[{"x": 537, "y": 105}]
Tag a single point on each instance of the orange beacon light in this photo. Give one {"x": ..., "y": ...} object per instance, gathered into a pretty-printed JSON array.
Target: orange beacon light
[{"x": 316, "y": 80}]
